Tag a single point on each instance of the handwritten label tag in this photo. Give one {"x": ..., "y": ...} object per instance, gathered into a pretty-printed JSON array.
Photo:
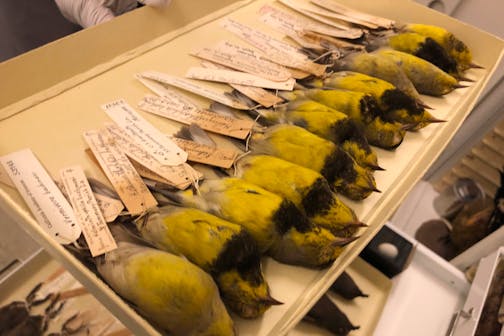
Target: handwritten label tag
[
  {"x": 338, "y": 20},
  {"x": 110, "y": 207},
  {"x": 271, "y": 16},
  {"x": 118, "y": 169},
  {"x": 144, "y": 133},
  {"x": 179, "y": 100},
  {"x": 263, "y": 97},
  {"x": 194, "y": 87},
  {"x": 150, "y": 175},
  {"x": 212, "y": 156},
  {"x": 291, "y": 23},
  {"x": 273, "y": 49},
  {"x": 45, "y": 200},
  {"x": 87, "y": 211},
  {"x": 237, "y": 77},
  {"x": 262, "y": 41},
  {"x": 4, "y": 178},
  {"x": 243, "y": 59},
  {"x": 322, "y": 24},
  {"x": 354, "y": 16},
  {"x": 207, "y": 120},
  {"x": 176, "y": 175}
]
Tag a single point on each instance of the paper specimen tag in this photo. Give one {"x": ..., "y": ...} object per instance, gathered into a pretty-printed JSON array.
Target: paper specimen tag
[
  {"x": 4, "y": 178},
  {"x": 144, "y": 133},
  {"x": 180, "y": 101},
  {"x": 45, "y": 200},
  {"x": 110, "y": 207},
  {"x": 176, "y": 175},
  {"x": 280, "y": 20},
  {"x": 118, "y": 169},
  {"x": 353, "y": 14},
  {"x": 322, "y": 15},
  {"x": 212, "y": 156},
  {"x": 262, "y": 41},
  {"x": 321, "y": 23},
  {"x": 194, "y": 87},
  {"x": 273, "y": 49},
  {"x": 243, "y": 59},
  {"x": 207, "y": 120},
  {"x": 339, "y": 20},
  {"x": 292, "y": 23},
  {"x": 263, "y": 97},
  {"x": 311, "y": 37},
  {"x": 87, "y": 211},
  {"x": 237, "y": 77}
]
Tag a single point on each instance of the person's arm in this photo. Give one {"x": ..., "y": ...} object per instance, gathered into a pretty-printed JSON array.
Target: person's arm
[
  {"x": 85, "y": 13},
  {"x": 155, "y": 3}
]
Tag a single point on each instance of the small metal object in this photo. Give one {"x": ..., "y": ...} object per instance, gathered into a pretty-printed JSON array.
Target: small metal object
[
  {"x": 451, "y": 200},
  {"x": 454, "y": 321}
]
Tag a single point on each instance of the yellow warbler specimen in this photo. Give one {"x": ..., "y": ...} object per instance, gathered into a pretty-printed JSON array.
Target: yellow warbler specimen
[
  {"x": 329, "y": 124},
  {"x": 378, "y": 66},
  {"x": 306, "y": 188},
  {"x": 361, "y": 107},
  {"x": 456, "y": 48},
  {"x": 397, "y": 106},
  {"x": 271, "y": 220},
  {"x": 223, "y": 249},
  {"x": 177, "y": 296},
  {"x": 299, "y": 146},
  {"x": 427, "y": 78},
  {"x": 421, "y": 46}
]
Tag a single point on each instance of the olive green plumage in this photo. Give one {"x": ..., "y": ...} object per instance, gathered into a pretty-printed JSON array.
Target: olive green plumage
[
  {"x": 455, "y": 47},
  {"x": 223, "y": 249},
  {"x": 306, "y": 188},
  {"x": 271, "y": 220},
  {"x": 424, "y": 47},
  {"x": 427, "y": 78},
  {"x": 395, "y": 104},
  {"x": 299, "y": 146},
  {"x": 177, "y": 296},
  {"x": 361, "y": 107},
  {"x": 329, "y": 124},
  {"x": 378, "y": 66}
]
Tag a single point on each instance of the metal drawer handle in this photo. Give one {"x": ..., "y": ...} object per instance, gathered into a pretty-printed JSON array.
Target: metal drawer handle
[{"x": 460, "y": 314}]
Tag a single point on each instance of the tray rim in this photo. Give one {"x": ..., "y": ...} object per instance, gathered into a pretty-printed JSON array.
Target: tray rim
[{"x": 117, "y": 305}]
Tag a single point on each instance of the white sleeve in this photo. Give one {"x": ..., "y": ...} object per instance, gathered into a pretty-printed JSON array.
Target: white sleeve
[
  {"x": 85, "y": 13},
  {"x": 155, "y": 3}
]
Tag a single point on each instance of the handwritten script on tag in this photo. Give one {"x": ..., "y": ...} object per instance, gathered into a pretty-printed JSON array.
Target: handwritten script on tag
[
  {"x": 262, "y": 96},
  {"x": 175, "y": 175},
  {"x": 194, "y": 87},
  {"x": 118, "y": 169},
  {"x": 110, "y": 207},
  {"x": 207, "y": 120},
  {"x": 178, "y": 100},
  {"x": 45, "y": 200},
  {"x": 243, "y": 59},
  {"x": 88, "y": 213},
  {"x": 237, "y": 77},
  {"x": 144, "y": 133},
  {"x": 273, "y": 49},
  {"x": 320, "y": 24},
  {"x": 212, "y": 156}
]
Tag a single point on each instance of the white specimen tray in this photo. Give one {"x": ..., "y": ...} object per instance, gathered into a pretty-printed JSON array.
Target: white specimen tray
[{"x": 51, "y": 123}]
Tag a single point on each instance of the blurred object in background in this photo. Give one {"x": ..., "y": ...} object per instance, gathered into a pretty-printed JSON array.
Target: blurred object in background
[
  {"x": 497, "y": 218},
  {"x": 26, "y": 25},
  {"x": 477, "y": 219},
  {"x": 470, "y": 225},
  {"x": 88, "y": 13},
  {"x": 453, "y": 198},
  {"x": 435, "y": 234}
]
